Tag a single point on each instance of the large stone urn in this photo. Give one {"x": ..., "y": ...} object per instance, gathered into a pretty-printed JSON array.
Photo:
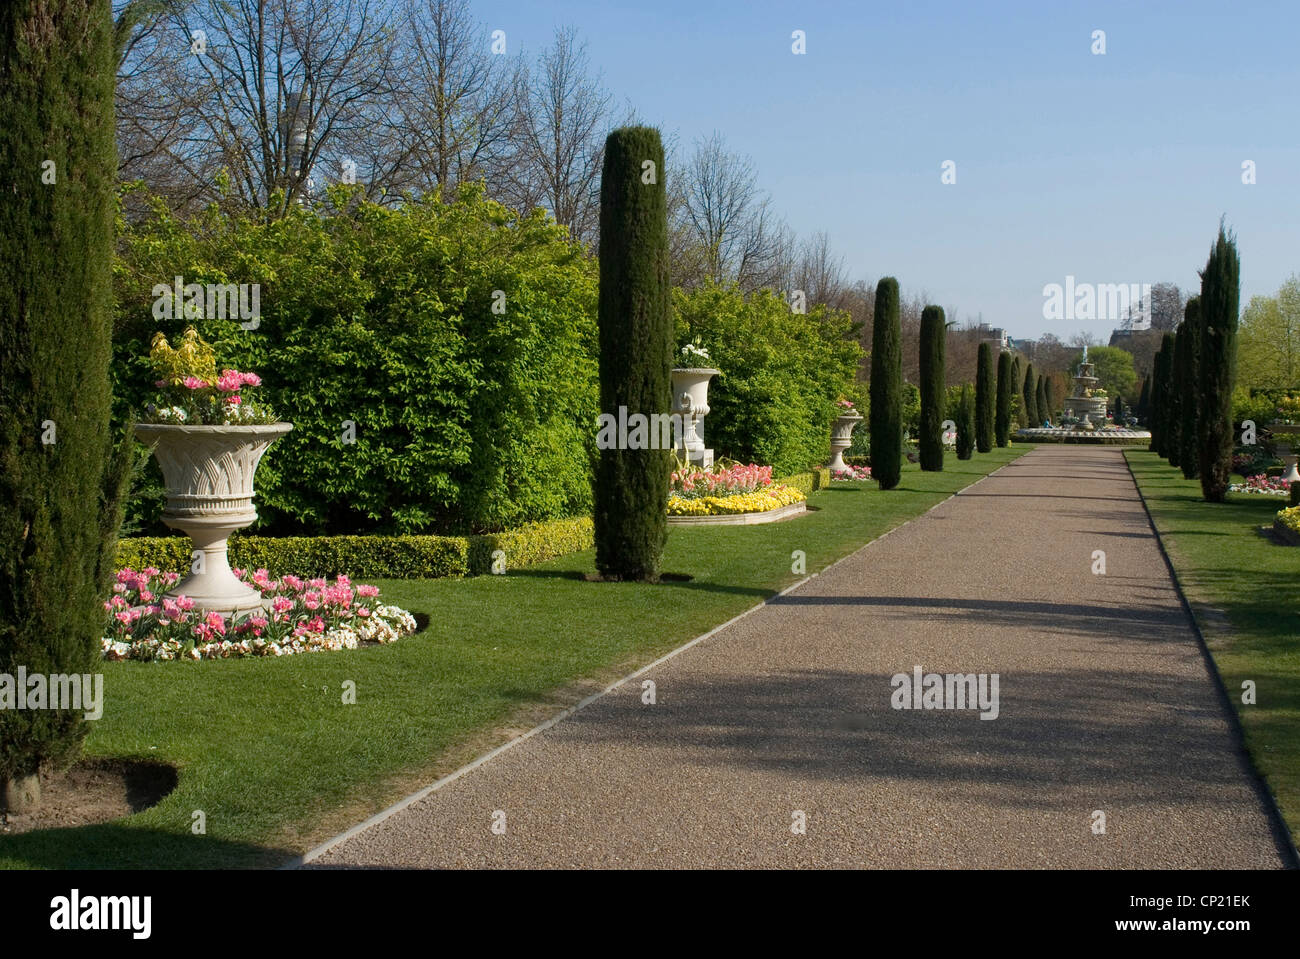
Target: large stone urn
[
  {"x": 209, "y": 471},
  {"x": 691, "y": 403},
  {"x": 842, "y": 438},
  {"x": 1286, "y": 436}
]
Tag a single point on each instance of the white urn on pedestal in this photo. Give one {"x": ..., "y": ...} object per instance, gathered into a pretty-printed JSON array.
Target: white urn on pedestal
[
  {"x": 842, "y": 438},
  {"x": 691, "y": 403},
  {"x": 209, "y": 471}
]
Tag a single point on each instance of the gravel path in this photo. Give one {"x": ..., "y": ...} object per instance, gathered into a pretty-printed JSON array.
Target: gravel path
[{"x": 1105, "y": 703}]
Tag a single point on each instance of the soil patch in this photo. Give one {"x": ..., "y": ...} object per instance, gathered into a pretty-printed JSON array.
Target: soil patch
[{"x": 94, "y": 791}]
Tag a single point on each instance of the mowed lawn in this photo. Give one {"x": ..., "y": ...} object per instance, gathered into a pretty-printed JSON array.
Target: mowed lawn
[
  {"x": 270, "y": 754},
  {"x": 1223, "y": 562}
]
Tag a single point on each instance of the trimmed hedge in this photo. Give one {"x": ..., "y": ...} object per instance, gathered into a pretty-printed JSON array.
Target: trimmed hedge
[
  {"x": 806, "y": 482},
  {"x": 373, "y": 557}
]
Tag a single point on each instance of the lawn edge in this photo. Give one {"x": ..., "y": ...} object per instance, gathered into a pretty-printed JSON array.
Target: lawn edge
[
  {"x": 1277, "y": 822},
  {"x": 315, "y": 853}
]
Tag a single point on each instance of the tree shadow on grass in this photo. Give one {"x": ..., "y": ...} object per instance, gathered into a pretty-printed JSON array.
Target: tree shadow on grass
[{"x": 117, "y": 845}]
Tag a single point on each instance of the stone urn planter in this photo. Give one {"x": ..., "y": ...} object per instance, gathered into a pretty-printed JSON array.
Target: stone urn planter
[
  {"x": 209, "y": 471},
  {"x": 691, "y": 403},
  {"x": 842, "y": 438},
  {"x": 1286, "y": 436}
]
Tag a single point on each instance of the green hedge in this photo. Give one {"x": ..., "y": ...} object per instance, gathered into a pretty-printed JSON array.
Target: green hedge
[
  {"x": 373, "y": 557},
  {"x": 437, "y": 360},
  {"x": 805, "y": 482}
]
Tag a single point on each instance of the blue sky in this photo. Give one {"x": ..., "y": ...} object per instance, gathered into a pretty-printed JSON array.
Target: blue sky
[{"x": 1113, "y": 169}]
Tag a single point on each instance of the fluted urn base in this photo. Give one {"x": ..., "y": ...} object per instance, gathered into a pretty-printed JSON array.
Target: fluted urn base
[{"x": 209, "y": 475}]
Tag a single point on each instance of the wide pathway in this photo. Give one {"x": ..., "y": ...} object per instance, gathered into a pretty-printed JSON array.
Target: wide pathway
[{"x": 1105, "y": 708}]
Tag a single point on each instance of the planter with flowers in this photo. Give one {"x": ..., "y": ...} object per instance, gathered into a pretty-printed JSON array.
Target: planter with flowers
[
  {"x": 690, "y": 383},
  {"x": 208, "y": 437},
  {"x": 842, "y": 434}
]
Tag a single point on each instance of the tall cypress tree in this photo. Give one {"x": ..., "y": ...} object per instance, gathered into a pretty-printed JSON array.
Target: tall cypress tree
[
  {"x": 1002, "y": 419},
  {"x": 1220, "y": 299},
  {"x": 1160, "y": 392},
  {"x": 886, "y": 387},
  {"x": 1017, "y": 385},
  {"x": 1044, "y": 405},
  {"x": 1030, "y": 398},
  {"x": 934, "y": 334},
  {"x": 636, "y": 345},
  {"x": 61, "y": 470},
  {"x": 1144, "y": 399},
  {"x": 966, "y": 423},
  {"x": 1189, "y": 407},
  {"x": 985, "y": 398},
  {"x": 1174, "y": 399}
]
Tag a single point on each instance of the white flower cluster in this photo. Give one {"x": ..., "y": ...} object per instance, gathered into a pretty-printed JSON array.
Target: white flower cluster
[
  {"x": 171, "y": 414},
  {"x": 240, "y": 413},
  {"x": 693, "y": 355}
]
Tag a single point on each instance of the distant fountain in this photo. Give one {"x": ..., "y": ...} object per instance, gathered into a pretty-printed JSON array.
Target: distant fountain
[{"x": 1090, "y": 410}]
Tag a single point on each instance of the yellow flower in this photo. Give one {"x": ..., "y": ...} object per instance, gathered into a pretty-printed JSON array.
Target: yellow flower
[{"x": 759, "y": 501}]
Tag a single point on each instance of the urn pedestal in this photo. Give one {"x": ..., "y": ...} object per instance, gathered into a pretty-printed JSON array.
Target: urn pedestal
[
  {"x": 208, "y": 472},
  {"x": 691, "y": 404},
  {"x": 842, "y": 439},
  {"x": 1285, "y": 438}
]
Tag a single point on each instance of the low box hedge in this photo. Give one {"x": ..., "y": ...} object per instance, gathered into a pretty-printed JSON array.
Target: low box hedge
[
  {"x": 372, "y": 557},
  {"x": 804, "y": 482}
]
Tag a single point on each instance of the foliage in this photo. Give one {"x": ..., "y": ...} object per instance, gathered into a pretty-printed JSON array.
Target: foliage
[
  {"x": 966, "y": 423},
  {"x": 934, "y": 334},
  {"x": 636, "y": 346},
  {"x": 1220, "y": 297},
  {"x": 886, "y": 386},
  {"x": 985, "y": 399},
  {"x": 61, "y": 471},
  {"x": 782, "y": 373},
  {"x": 436, "y": 359},
  {"x": 1041, "y": 401},
  {"x": 1002, "y": 417},
  {"x": 1187, "y": 354},
  {"x": 373, "y": 557},
  {"x": 1268, "y": 351}
]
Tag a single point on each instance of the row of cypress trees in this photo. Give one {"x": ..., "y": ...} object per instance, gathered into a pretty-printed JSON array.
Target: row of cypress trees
[
  {"x": 1188, "y": 396},
  {"x": 983, "y": 415}
]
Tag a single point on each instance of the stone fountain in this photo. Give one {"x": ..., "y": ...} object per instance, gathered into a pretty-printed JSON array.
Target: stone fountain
[{"x": 1089, "y": 409}]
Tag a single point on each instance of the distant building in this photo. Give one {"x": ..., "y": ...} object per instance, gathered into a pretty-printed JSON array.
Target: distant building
[{"x": 995, "y": 336}]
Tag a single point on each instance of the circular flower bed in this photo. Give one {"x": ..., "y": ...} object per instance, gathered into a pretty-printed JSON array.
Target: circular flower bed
[
  {"x": 727, "y": 488},
  {"x": 1290, "y": 518},
  {"x": 1264, "y": 485},
  {"x": 304, "y": 616}
]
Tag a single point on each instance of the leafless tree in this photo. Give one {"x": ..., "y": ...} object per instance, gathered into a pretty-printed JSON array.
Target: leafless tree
[
  {"x": 559, "y": 143},
  {"x": 819, "y": 272},
  {"x": 257, "y": 91},
  {"x": 733, "y": 223},
  {"x": 456, "y": 101}
]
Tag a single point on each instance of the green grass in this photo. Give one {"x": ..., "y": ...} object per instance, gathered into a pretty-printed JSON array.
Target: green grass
[
  {"x": 1224, "y": 563},
  {"x": 276, "y": 762}
]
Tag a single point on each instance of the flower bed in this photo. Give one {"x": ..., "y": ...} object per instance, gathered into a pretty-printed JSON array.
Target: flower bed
[
  {"x": 727, "y": 489},
  {"x": 852, "y": 473},
  {"x": 304, "y": 616},
  {"x": 1263, "y": 485},
  {"x": 770, "y": 497}
]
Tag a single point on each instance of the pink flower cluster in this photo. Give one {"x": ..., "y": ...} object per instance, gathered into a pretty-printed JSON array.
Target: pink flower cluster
[
  {"x": 302, "y": 616},
  {"x": 737, "y": 479},
  {"x": 1262, "y": 483},
  {"x": 852, "y": 473}
]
